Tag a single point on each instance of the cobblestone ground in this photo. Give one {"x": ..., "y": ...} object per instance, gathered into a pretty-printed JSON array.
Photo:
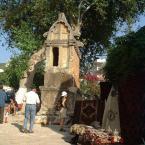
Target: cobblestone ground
[{"x": 10, "y": 134}]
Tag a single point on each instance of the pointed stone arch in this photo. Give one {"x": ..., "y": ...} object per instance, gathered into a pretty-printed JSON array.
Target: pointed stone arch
[{"x": 27, "y": 78}]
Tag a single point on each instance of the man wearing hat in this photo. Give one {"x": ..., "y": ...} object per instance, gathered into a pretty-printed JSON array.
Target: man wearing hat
[{"x": 63, "y": 110}]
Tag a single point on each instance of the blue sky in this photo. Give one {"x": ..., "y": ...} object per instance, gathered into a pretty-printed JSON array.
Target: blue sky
[
  {"x": 6, "y": 54},
  {"x": 139, "y": 23}
]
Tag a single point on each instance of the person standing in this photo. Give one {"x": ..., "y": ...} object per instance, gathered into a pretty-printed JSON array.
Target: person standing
[
  {"x": 63, "y": 110},
  {"x": 3, "y": 96},
  {"x": 31, "y": 98}
]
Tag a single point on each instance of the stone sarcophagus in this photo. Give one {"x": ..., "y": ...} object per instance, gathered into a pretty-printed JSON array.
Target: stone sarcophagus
[{"x": 62, "y": 64}]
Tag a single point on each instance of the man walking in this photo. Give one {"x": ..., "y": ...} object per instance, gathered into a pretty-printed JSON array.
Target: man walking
[
  {"x": 3, "y": 96},
  {"x": 31, "y": 99}
]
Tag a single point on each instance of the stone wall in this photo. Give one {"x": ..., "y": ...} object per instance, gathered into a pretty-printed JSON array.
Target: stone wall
[{"x": 74, "y": 66}]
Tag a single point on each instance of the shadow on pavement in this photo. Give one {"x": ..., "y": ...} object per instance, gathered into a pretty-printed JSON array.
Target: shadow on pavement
[
  {"x": 17, "y": 125},
  {"x": 66, "y": 135}
]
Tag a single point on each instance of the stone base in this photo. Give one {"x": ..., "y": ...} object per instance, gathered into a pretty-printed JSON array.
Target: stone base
[
  {"x": 48, "y": 99},
  {"x": 47, "y": 118},
  {"x": 41, "y": 120}
]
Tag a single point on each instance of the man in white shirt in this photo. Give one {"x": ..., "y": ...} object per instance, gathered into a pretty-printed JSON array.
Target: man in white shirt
[{"x": 31, "y": 99}]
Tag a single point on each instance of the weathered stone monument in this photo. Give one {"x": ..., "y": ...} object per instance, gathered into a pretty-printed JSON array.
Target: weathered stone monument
[
  {"x": 62, "y": 56},
  {"x": 62, "y": 63}
]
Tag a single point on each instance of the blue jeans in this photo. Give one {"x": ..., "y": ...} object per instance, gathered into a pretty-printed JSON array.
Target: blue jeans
[{"x": 30, "y": 112}]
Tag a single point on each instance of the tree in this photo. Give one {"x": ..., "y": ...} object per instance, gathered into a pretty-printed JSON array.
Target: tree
[
  {"x": 125, "y": 67},
  {"x": 14, "y": 71},
  {"x": 98, "y": 23},
  {"x": 25, "y": 21},
  {"x": 127, "y": 57}
]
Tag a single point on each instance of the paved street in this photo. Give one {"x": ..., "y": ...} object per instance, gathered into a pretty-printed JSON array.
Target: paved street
[{"x": 10, "y": 134}]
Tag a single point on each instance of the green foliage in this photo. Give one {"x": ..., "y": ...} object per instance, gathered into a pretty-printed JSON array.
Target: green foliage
[
  {"x": 90, "y": 88},
  {"x": 15, "y": 70},
  {"x": 127, "y": 57},
  {"x": 102, "y": 19},
  {"x": 3, "y": 78},
  {"x": 25, "y": 39},
  {"x": 98, "y": 22},
  {"x": 38, "y": 79},
  {"x": 25, "y": 21}
]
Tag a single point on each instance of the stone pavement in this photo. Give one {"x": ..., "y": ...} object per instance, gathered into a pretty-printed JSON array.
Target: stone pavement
[{"x": 50, "y": 135}]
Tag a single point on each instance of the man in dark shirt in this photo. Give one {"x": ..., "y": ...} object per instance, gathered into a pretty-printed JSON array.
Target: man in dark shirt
[{"x": 3, "y": 96}]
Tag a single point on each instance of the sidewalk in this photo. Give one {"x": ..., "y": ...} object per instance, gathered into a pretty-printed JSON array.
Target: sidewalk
[{"x": 10, "y": 135}]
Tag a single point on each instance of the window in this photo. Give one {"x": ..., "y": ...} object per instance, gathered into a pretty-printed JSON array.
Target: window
[{"x": 55, "y": 56}]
